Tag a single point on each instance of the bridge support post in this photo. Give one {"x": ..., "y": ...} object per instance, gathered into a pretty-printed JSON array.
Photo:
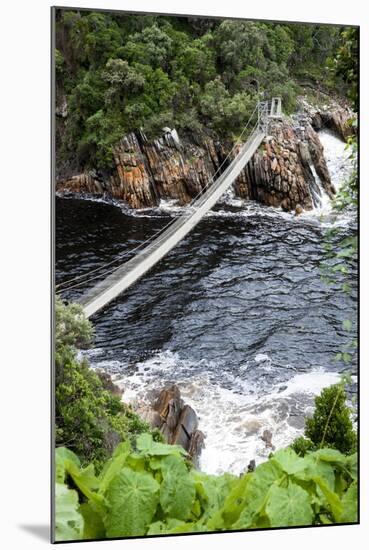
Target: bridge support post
[{"x": 276, "y": 108}]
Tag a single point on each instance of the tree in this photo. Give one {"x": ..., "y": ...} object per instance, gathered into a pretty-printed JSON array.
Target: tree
[
  {"x": 280, "y": 45},
  {"x": 123, "y": 81},
  {"x": 150, "y": 47},
  {"x": 91, "y": 37},
  {"x": 212, "y": 103},
  {"x": 196, "y": 61},
  {"x": 102, "y": 130},
  {"x": 346, "y": 63},
  {"x": 330, "y": 425},
  {"x": 239, "y": 44},
  {"x": 237, "y": 111},
  {"x": 313, "y": 46},
  {"x": 59, "y": 62}
]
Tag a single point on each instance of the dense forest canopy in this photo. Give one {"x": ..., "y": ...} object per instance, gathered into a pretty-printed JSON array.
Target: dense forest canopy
[{"x": 120, "y": 73}]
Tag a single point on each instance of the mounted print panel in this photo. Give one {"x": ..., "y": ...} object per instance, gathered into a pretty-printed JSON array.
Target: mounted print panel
[{"x": 205, "y": 274}]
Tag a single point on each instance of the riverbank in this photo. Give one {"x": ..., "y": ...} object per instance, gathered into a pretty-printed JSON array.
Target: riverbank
[{"x": 287, "y": 171}]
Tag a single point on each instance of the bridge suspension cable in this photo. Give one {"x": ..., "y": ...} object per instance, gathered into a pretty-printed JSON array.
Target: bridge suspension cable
[
  {"x": 262, "y": 110},
  {"x": 129, "y": 272}
]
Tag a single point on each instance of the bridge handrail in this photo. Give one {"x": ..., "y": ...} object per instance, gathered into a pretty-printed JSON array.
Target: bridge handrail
[
  {"x": 262, "y": 109},
  {"x": 105, "y": 286},
  {"x": 199, "y": 202}
]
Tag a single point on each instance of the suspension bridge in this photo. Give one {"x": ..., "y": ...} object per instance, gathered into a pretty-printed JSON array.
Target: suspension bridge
[{"x": 151, "y": 251}]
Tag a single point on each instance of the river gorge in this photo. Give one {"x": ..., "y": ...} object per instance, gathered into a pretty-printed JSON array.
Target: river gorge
[{"x": 237, "y": 315}]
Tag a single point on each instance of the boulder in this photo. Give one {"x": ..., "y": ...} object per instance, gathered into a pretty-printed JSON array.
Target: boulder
[
  {"x": 267, "y": 438},
  {"x": 177, "y": 422}
]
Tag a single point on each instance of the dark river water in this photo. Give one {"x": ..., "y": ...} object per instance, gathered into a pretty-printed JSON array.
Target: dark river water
[{"x": 237, "y": 315}]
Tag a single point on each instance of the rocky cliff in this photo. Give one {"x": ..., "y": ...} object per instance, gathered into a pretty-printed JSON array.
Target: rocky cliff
[{"x": 287, "y": 171}]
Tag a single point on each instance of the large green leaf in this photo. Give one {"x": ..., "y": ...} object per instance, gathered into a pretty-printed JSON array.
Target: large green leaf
[
  {"x": 87, "y": 482},
  {"x": 85, "y": 479},
  {"x": 174, "y": 526},
  {"x": 93, "y": 523},
  {"x": 113, "y": 466},
  {"x": 68, "y": 520},
  {"x": 289, "y": 461},
  {"x": 261, "y": 480},
  {"x": 187, "y": 527},
  {"x": 177, "y": 491},
  {"x": 351, "y": 465},
  {"x": 132, "y": 500},
  {"x": 212, "y": 491},
  {"x": 136, "y": 462},
  {"x": 233, "y": 505},
  {"x": 64, "y": 460},
  {"x": 163, "y": 527},
  {"x": 330, "y": 455},
  {"x": 314, "y": 467},
  {"x": 288, "y": 506},
  {"x": 331, "y": 497},
  {"x": 148, "y": 447},
  {"x": 349, "y": 505}
]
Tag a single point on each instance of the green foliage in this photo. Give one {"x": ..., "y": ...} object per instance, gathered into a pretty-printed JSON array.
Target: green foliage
[
  {"x": 133, "y": 498},
  {"x": 347, "y": 196},
  {"x": 330, "y": 426},
  {"x": 90, "y": 420},
  {"x": 122, "y": 80},
  {"x": 289, "y": 506},
  {"x": 151, "y": 47},
  {"x": 154, "y": 490},
  {"x": 197, "y": 60},
  {"x": 72, "y": 329},
  {"x": 68, "y": 519},
  {"x": 93, "y": 37},
  {"x": 302, "y": 445},
  {"x": 340, "y": 266},
  {"x": 59, "y": 62},
  {"x": 102, "y": 131},
  {"x": 121, "y": 73},
  {"x": 345, "y": 63},
  {"x": 313, "y": 47},
  {"x": 177, "y": 491}
]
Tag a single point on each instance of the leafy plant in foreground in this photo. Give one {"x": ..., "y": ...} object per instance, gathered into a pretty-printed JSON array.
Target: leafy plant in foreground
[{"x": 155, "y": 490}]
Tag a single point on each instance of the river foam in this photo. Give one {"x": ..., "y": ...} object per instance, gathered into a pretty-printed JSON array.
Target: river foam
[{"x": 233, "y": 409}]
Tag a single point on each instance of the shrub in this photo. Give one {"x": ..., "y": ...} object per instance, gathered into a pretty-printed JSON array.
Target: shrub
[
  {"x": 330, "y": 425},
  {"x": 89, "y": 419},
  {"x": 302, "y": 445}
]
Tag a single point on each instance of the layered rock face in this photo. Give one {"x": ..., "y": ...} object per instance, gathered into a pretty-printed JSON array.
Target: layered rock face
[
  {"x": 287, "y": 171},
  {"x": 146, "y": 172},
  {"x": 281, "y": 172}
]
